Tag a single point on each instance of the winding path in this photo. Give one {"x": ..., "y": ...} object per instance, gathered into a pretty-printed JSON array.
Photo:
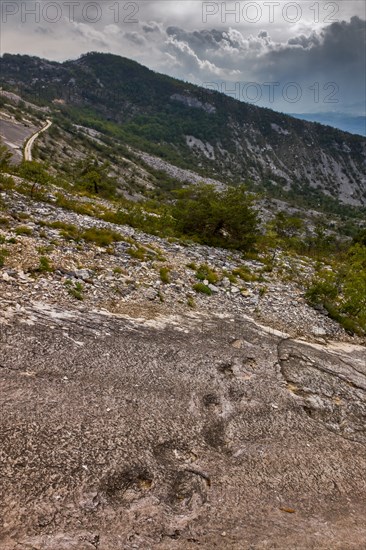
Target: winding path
[{"x": 29, "y": 144}]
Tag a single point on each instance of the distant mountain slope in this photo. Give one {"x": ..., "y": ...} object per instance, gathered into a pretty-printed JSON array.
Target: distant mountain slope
[{"x": 194, "y": 127}]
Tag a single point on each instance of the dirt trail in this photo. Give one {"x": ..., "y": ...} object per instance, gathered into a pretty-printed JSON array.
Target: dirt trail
[{"x": 32, "y": 139}]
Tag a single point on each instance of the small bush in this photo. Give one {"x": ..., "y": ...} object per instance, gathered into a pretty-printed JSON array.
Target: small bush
[
  {"x": 202, "y": 288},
  {"x": 3, "y": 254},
  {"x": 190, "y": 302},
  {"x": 342, "y": 291},
  {"x": 73, "y": 205},
  {"x": 6, "y": 182},
  {"x": 268, "y": 267},
  {"x": 244, "y": 274},
  {"x": 35, "y": 173},
  {"x": 233, "y": 280},
  {"x": 204, "y": 272},
  {"x": 101, "y": 237},
  {"x": 23, "y": 230},
  {"x": 44, "y": 249},
  {"x": 67, "y": 230},
  {"x": 137, "y": 252},
  {"x": 118, "y": 270},
  {"x": 75, "y": 289},
  {"x": 22, "y": 216},
  {"x": 44, "y": 265},
  {"x": 161, "y": 258},
  {"x": 322, "y": 290},
  {"x": 165, "y": 275}
]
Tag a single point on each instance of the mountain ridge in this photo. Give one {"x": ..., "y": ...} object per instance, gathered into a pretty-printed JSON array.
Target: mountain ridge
[{"x": 193, "y": 127}]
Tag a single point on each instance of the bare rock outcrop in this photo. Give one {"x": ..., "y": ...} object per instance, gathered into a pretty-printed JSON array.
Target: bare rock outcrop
[{"x": 176, "y": 433}]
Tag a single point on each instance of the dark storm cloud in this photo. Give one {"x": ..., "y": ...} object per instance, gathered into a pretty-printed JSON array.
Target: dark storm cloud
[
  {"x": 150, "y": 28},
  {"x": 338, "y": 49},
  {"x": 334, "y": 54},
  {"x": 337, "y": 43},
  {"x": 198, "y": 40},
  {"x": 305, "y": 41}
]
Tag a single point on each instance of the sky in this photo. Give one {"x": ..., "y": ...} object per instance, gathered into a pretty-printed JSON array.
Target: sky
[{"x": 294, "y": 57}]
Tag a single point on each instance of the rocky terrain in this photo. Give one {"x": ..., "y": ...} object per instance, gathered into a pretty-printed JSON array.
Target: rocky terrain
[
  {"x": 127, "y": 273},
  {"x": 138, "y": 413}
]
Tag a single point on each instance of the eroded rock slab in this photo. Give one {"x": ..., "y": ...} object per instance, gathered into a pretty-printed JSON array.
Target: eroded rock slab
[{"x": 178, "y": 433}]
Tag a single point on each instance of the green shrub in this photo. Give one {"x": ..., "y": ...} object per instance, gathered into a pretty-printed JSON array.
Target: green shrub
[
  {"x": 22, "y": 216},
  {"x": 23, "y": 230},
  {"x": 232, "y": 278},
  {"x": 44, "y": 265},
  {"x": 74, "y": 205},
  {"x": 190, "y": 302},
  {"x": 165, "y": 275},
  {"x": 6, "y": 182},
  {"x": 67, "y": 230},
  {"x": 118, "y": 270},
  {"x": 3, "y": 254},
  {"x": 44, "y": 249},
  {"x": 202, "y": 288},
  {"x": 101, "y": 237},
  {"x": 137, "y": 252},
  {"x": 323, "y": 289},
  {"x": 342, "y": 291},
  {"x": 244, "y": 273},
  {"x": 35, "y": 173},
  {"x": 204, "y": 272},
  {"x": 75, "y": 289},
  {"x": 360, "y": 237},
  {"x": 262, "y": 291},
  {"x": 94, "y": 178},
  {"x": 217, "y": 218},
  {"x": 287, "y": 226}
]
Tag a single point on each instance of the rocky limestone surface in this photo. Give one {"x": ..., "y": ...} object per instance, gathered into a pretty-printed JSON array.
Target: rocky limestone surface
[
  {"x": 194, "y": 431},
  {"x": 140, "y": 414}
]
